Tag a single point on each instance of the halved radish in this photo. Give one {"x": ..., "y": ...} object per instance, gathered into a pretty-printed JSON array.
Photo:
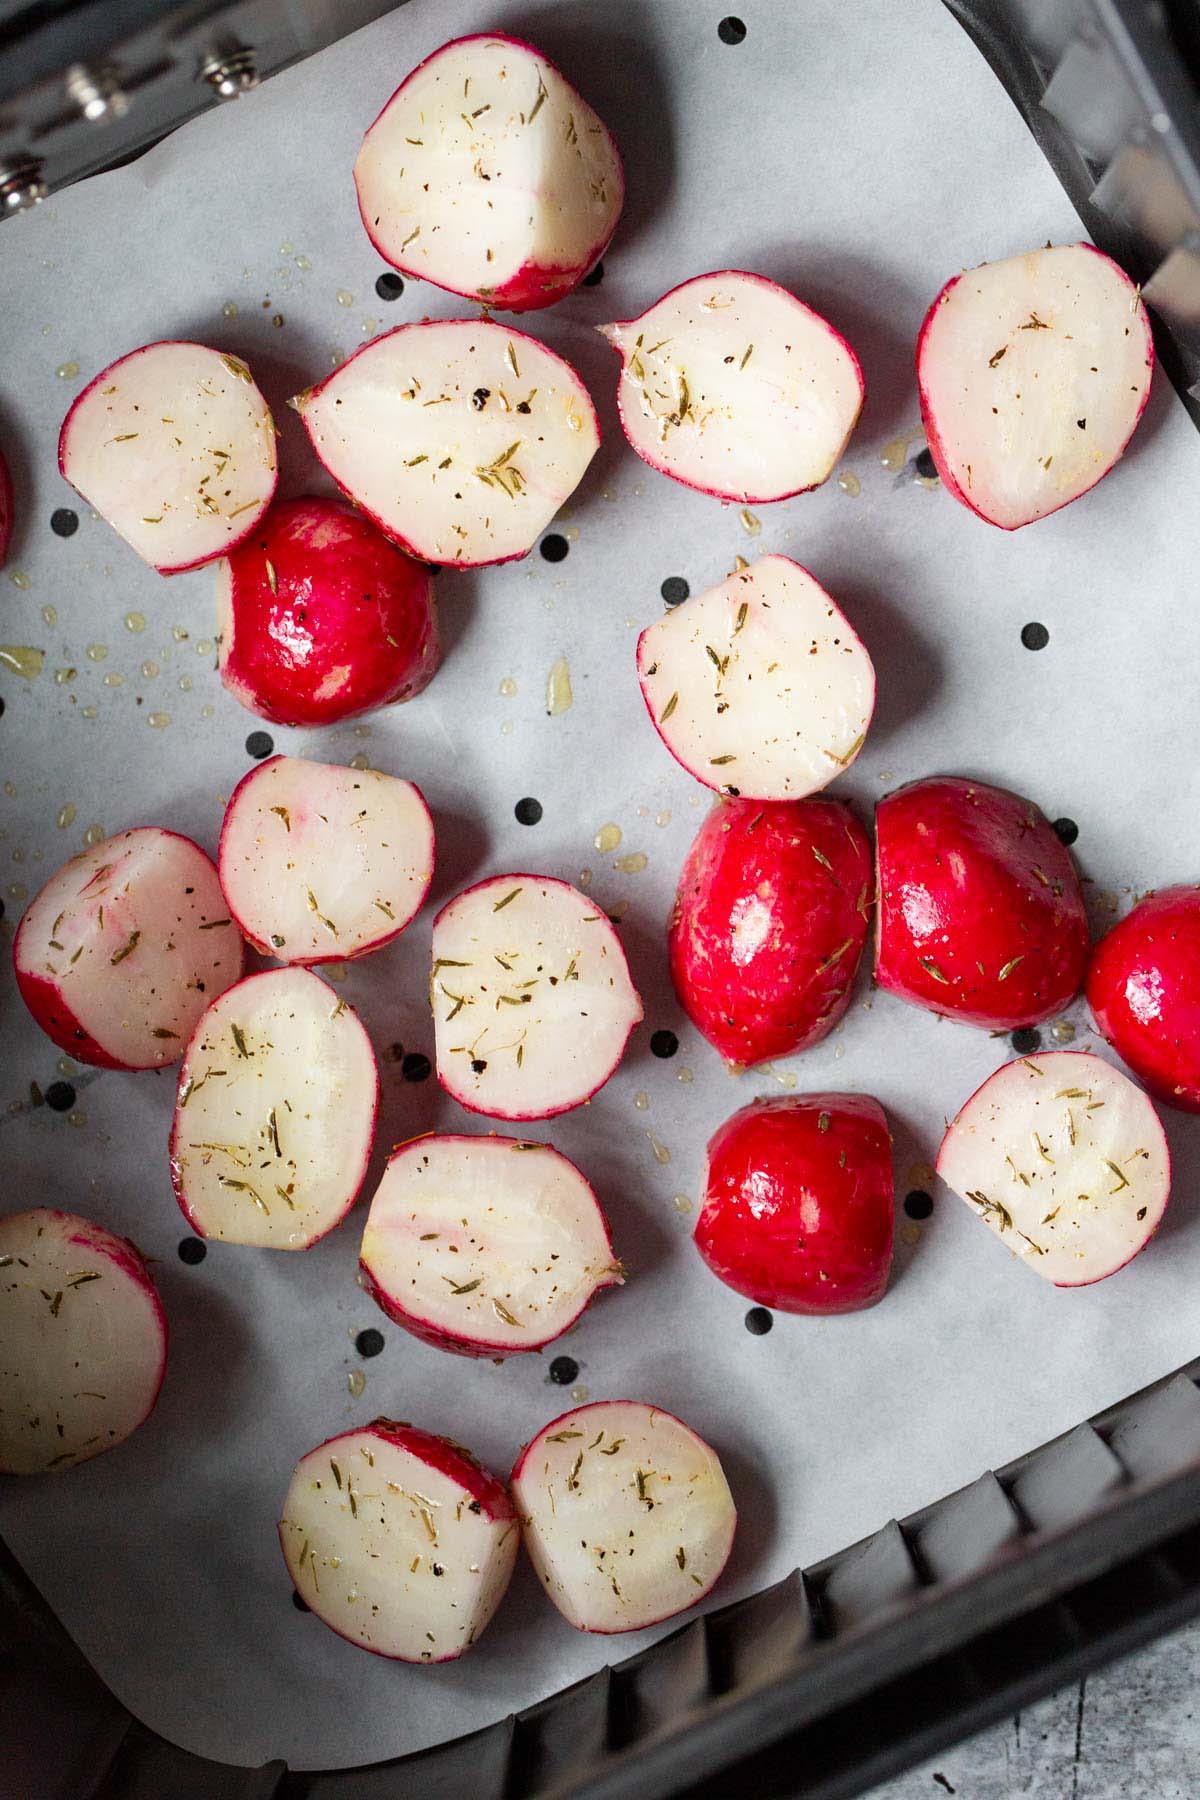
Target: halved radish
[
  {"x": 759, "y": 686},
  {"x": 1067, "y": 1162},
  {"x": 321, "y": 863},
  {"x": 174, "y": 446},
  {"x": 1033, "y": 373},
  {"x": 733, "y": 386},
  {"x": 488, "y": 174},
  {"x": 626, "y": 1514},
  {"x": 485, "y": 1245},
  {"x": 124, "y": 947},
  {"x": 460, "y": 438},
  {"x": 83, "y": 1341},
  {"x": 275, "y": 1113},
  {"x": 399, "y": 1541},
  {"x": 531, "y": 995}
]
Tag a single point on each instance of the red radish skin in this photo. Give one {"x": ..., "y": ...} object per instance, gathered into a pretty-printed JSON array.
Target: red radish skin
[
  {"x": 323, "y": 618},
  {"x": 1144, "y": 991},
  {"x": 981, "y": 914},
  {"x": 6, "y": 510},
  {"x": 798, "y": 1210},
  {"x": 469, "y": 176},
  {"x": 770, "y": 920}
]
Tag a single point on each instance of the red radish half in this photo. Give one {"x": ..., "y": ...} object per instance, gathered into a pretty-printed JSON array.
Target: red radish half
[
  {"x": 981, "y": 914},
  {"x": 460, "y": 438},
  {"x": 1066, "y": 1161},
  {"x": 488, "y": 174},
  {"x": 759, "y": 686},
  {"x": 124, "y": 947},
  {"x": 626, "y": 1514},
  {"x": 322, "y": 617},
  {"x": 83, "y": 1341},
  {"x": 321, "y": 863},
  {"x": 6, "y": 509},
  {"x": 399, "y": 1541},
  {"x": 174, "y": 446},
  {"x": 275, "y": 1113},
  {"x": 532, "y": 997},
  {"x": 1033, "y": 373},
  {"x": 485, "y": 1245},
  {"x": 733, "y": 386},
  {"x": 1144, "y": 991}
]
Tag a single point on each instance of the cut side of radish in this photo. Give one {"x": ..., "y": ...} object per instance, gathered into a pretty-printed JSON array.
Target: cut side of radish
[
  {"x": 1033, "y": 373},
  {"x": 485, "y": 1245},
  {"x": 83, "y": 1341},
  {"x": 124, "y": 947},
  {"x": 626, "y": 1514},
  {"x": 460, "y": 438},
  {"x": 759, "y": 686},
  {"x": 1067, "y": 1162},
  {"x": 532, "y": 998},
  {"x": 321, "y": 863},
  {"x": 275, "y": 1113},
  {"x": 174, "y": 446},
  {"x": 399, "y": 1541},
  {"x": 488, "y": 174},
  {"x": 733, "y": 386}
]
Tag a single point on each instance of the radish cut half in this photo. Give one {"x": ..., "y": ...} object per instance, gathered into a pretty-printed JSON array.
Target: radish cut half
[
  {"x": 733, "y": 386},
  {"x": 321, "y": 863},
  {"x": 460, "y": 438},
  {"x": 275, "y": 1113},
  {"x": 1033, "y": 373},
  {"x": 124, "y": 947},
  {"x": 760, "y": 686},
  {"x": 83, "y": 1341},
  {"x": 486, "y": 173},
  {"x": 626, "y": 1514},
  {"x": 1067, "y": 1162},
  {"x": 174, "y": 446},
  {"x": 399, "y": 1541},
  {"x": 485, "y": 1245},
  {"x": 532, "y": 997}
]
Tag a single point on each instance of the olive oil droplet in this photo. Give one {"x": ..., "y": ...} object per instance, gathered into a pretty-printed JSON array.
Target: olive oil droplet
[{"x": 607, "y": 838}]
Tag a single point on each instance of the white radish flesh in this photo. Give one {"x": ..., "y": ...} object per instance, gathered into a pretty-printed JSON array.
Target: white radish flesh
[
  {"x": 532, "y": 998},
  {"x": 321, "y": 863},
  {"x": 399, "y": 1541},
  {"x": 760, "y": 686},
  {"x": 626, "y": 1514},
  {"x": 461, "y": 439},
  {"x": 275, "y": 1113},
  {"x": 125, "y": 946},
  {"x": 174, "y": 446},
  {"x": 733, "y": 386},
  {"x": 83, "y": 1341},
  {"x": 1066, "y": 1160}
]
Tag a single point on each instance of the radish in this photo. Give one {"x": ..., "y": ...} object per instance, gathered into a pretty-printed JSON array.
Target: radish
[
  {"x": 323, "y": 618},
  {"x": 532, "y": 998},
  {"x": 174, "y": 446},
  {"x": 733, "y": 386},
  {"x": 460, "y": 438},
  {"x": 488, "y": 174},
  {"x": 981, "y": 914},
  {"x": 1067, "y": 1162},
  {"x": 759, "y": 686},
  {"x": 124, "y": 947},
  {"x": 485, "y": 1245},
  {"x": 626, "y": 1514},
  {"x": 1144, "y": 991},
  {"x": 6, "y": 510},
  {"x": 399, "y": 1541},
  {"x": 275, "y": 1113},
  {"x": 797, "y": 1210},
  {"x": 322, "y": 864},
  {"x": 83, "y": 1341},
  {"x": 1033, "y": 373}
]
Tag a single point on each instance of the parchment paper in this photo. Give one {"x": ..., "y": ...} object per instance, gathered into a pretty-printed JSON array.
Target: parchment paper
[{"x": 861, "y": 155}]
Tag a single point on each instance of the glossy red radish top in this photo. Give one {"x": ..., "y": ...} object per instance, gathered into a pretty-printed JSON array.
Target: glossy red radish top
[{"x": 1144, "y": 991}]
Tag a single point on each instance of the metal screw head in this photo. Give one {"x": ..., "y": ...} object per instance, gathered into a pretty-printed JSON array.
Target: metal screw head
[
  {"x": 21, "y": 184},
  {"x": 230, "y": 72},
  {"x": 96, "y": 92}
]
